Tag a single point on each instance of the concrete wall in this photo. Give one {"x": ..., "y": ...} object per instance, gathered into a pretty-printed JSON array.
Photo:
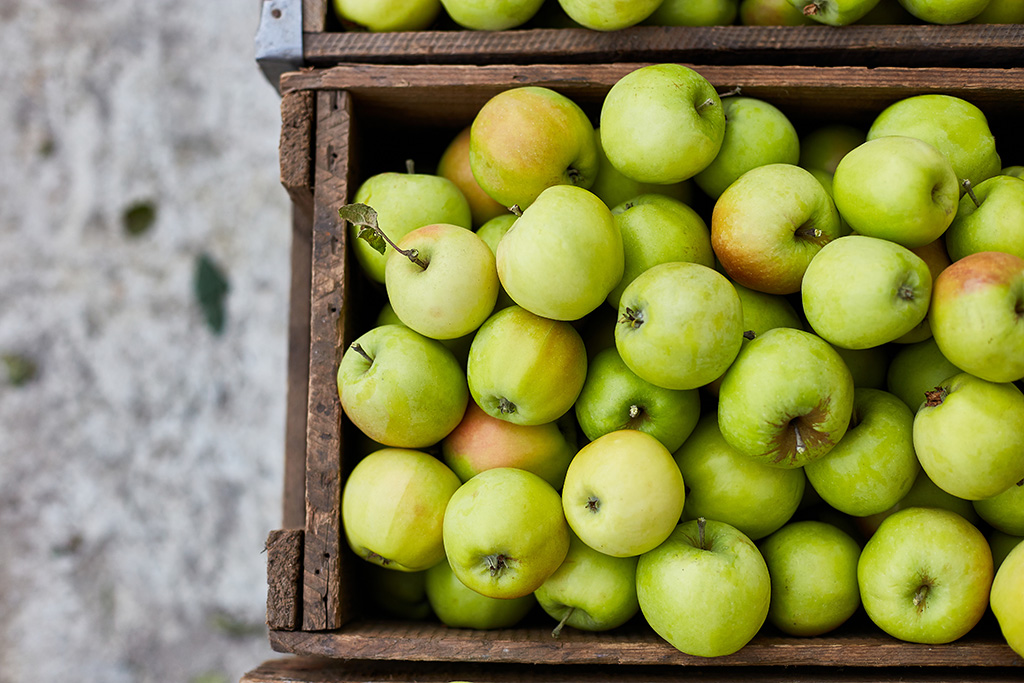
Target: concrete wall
[{"x": 141, "y": 461}]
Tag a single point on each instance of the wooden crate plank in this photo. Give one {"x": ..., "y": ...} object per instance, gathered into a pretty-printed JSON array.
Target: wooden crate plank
[
  {"x": 406, "y": 641},
  {"x": 296, "y": 166},
  {"x": 284, "y": 579},
  {"x": 318, "y": 670},
  {"x": 322, "y": 599},
  {"x": 902, "y": 45},
  {"x": 314, "y": 17},
  {"x": 295, "y": 148}
]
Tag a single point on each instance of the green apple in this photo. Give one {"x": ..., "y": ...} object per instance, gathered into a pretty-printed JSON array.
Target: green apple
[
  {"x": 448, "y": 287},
  {"x": 967, "y": 436},
  {"x": 662, "y": 123},
  {"x": 825, "y": 146},
  {"x": 623, "y": 493},
  {"x": 459, "y": 606},
  {"x": 504, "y": 532},
  {"x": 614, "y": 188},
  {"x": 388, "y": 15},
  {"x": 526, "y": 139},
  {"x": 897, "y": 188},
  {"x": 1015, "y": 171},
  {"x": 945, "y": 11},
  {"x": 705, "y": 590},
  {"x": 590, "y": 591},
  {"x": 977, "y": 315},
  {"x": 725, "y": 485},
  {"x": 680, "y": 325},
  {"x": 563, "y": 256},
  {"x": 524, "y": 368},
  {"x": 404, "y": 202},
  {"x": 925, "y": 575},
  {"x": 454, "y": 165},
  {"x": 658, "y": 229},
  {"x": 761, "y": 312},
  {"x": 401, "y": 388},
  {"x": 1001, "y": 12},
  {"x": 1001, "y": 545},
  {"x": 860, "y": 292},
  {"x": 694, "y": 13},
  {"x": 868, "y": 366},
  {"x": 491, "y": 233},
  {"x": 874, "y": 465},
  {"x": 813, "y": 568},
  {"x": 481, "y": 442},
  {"x": 787, "y": 399},
  {"x": 953, "y": 125},
  {"x": 756, "y": 134},
  {"x": 916, "y": 369},
  {"x": 393, "y": 505},
  {"x": 768, "y": 225},
  {"x": 924, "y": 493},
  {"x": 771, "y": 13},
  {"x": 397, "y": 594},
  {"x": 835, "y": 12},
  {"x": 601, "y": 15},
  {"x": 491, "y": 15},
  {"x": 614, "y": 398},
  {"x": 1004, "y": 511},
  {"x": 1007, "y": 599},
  {"x": 990, "y": 219}
]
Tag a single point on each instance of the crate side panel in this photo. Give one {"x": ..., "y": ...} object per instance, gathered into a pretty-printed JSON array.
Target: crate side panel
[
  {"x": 284, "y": 579},
  {"x": 314, "y": 16},
  {"x": 322, "y": 597}
]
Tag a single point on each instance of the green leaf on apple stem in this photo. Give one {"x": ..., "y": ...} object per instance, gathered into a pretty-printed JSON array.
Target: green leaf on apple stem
[{"x": 365, "y": 217}]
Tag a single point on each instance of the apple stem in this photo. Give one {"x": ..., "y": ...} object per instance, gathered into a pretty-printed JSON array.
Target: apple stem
[
  {"x": 801, "y": 447},
  {"x": 735, "y": 91},
  {"x": 919, "y": 597},
  {"x": 410, "y": 166},
  {"x": 557, "y": 631},
  {"x": 516, "y": 210},
  {"x": 812, "y": 8},
  {"x": 701, "y": 523},
  {"x": 935, "y": 397},
  {"x": 496, "y": 564},
  {"x": 359, "y": 349},
  {"x": 966, "y": 184},
  {"x": 365, "y": 218}
]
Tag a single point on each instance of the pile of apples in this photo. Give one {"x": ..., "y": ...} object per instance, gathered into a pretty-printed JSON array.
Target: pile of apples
[
  {"x": 604, "y": 402},
  {"x": 483, "y": 15}
]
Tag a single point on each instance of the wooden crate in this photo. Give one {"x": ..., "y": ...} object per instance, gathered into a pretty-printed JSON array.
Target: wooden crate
[
  {"x": 341, "y": 125},
  {"x": 991, "y": 45}
]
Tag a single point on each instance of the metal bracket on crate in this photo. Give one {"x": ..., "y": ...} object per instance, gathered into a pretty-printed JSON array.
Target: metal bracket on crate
[{"x": 279, "y": 38}]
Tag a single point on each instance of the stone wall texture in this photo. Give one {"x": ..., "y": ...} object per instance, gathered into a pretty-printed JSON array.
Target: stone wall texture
[{"x": 140, "y": 446}]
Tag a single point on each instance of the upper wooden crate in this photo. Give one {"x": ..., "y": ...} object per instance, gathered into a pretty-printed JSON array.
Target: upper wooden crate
[
  {"x": 343, "y": 124},
  {"x": 964, "y": 45}
]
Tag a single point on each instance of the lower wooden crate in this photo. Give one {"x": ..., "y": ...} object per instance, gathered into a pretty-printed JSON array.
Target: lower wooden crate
[
  {"x": 346, "y": 123},
  {"x": 319, "y": 670}
]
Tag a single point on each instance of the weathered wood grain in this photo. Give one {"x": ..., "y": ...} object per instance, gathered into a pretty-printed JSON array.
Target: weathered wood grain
[
  {"x": 314, "y": 16},
  {"x": 322, "y": 599},
  {"x": 315, "y": 670},
  {"x": 422, "y": 642},
  {"x": 284, "y": 579},
  {"x": 869, "y": 45},
  {"x": 295, "y": 148}
]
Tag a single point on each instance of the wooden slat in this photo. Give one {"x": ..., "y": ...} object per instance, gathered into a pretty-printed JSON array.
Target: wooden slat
[
  {"x": 314, "y": 16},
  {"x": 322, "y": 599},
  {"x": 893, "y": 45},
  {"x": 313, "y": 670},
  {"x": 407, "y": 641},
  {"x": 284, "y": 579},
  {"x": 295, "y": 151},
  {"x": 295, "y": 148},
  {"x": 456, "y": 92}
]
